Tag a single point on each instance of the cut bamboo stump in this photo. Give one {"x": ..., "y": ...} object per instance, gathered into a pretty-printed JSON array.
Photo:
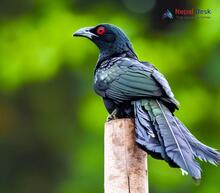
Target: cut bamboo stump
[{"x": 125, "y": 163}]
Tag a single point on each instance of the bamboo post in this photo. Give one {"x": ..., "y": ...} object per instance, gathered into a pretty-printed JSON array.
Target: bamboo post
[{"x": 125, "y": 163}]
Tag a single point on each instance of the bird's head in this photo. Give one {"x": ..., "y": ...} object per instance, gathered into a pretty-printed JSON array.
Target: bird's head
[{"x": 110, "y": 40}]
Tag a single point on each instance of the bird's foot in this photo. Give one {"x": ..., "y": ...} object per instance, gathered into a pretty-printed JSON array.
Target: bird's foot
[{"x": 112, "y": 116}]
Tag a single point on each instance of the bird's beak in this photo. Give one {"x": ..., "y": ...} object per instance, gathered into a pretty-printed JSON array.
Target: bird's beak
[{"x": 84, "y": 32}]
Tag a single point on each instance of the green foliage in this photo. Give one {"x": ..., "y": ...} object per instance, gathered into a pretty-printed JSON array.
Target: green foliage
[{"x": 51, "y": 122}]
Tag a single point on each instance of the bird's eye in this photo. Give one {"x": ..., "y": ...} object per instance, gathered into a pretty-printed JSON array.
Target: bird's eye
[{"x": 100, "y": 30}]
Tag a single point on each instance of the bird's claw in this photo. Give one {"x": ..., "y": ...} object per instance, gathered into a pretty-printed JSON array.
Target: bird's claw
[{"x": 112, "y": 116}]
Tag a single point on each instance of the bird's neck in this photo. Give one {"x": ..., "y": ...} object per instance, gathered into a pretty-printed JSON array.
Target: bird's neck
[
  {"x": 106, "y": 55},
  {"x": 118, "y": 49}
]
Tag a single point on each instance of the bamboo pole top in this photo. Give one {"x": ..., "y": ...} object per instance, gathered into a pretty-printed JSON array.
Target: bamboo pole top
[{"x": 125, "y": 162}]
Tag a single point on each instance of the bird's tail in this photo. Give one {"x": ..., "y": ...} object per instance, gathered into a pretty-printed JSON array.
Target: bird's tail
[
  {"x": 160, "y": 132},
  {"x": 200, "y": 150}
]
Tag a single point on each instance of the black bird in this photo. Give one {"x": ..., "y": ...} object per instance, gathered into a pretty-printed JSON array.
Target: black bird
[{"x": 132, "y": 88}]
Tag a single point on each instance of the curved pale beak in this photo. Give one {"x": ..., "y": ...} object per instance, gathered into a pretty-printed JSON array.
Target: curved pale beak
[{"x": 84, "y": 32}]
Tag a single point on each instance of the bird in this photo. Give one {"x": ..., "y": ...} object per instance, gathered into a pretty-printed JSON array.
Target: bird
[{"x": 131, "y": 88}]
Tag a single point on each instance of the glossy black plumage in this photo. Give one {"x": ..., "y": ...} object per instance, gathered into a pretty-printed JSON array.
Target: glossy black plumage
[{"x": 131, "y": 88}]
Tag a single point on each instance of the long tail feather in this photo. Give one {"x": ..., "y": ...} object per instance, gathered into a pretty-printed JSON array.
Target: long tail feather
[
  {"x": 163, "y": 136},
  {"x": 200, "y": 150},
  {"x": 176, "y": 146},
  {"x": 145, "y": 133}
]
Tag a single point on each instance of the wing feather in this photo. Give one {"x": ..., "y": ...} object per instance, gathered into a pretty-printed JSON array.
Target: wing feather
[{"x": 128, "y": 80}]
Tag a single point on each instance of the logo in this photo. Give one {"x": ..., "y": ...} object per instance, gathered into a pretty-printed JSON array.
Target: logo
[
  {"x": 167, "y": 14},
  {"x": 192, "y": 13}
]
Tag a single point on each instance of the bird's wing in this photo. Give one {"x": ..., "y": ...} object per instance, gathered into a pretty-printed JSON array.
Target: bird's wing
[{"x": 128, "y": 79}]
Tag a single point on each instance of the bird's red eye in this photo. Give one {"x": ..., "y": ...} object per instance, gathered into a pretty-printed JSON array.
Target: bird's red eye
[{"x": 100, "y": 30}]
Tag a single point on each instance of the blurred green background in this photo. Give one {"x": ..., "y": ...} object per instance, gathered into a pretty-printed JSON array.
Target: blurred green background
[{"x": 51, "y": 122}]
